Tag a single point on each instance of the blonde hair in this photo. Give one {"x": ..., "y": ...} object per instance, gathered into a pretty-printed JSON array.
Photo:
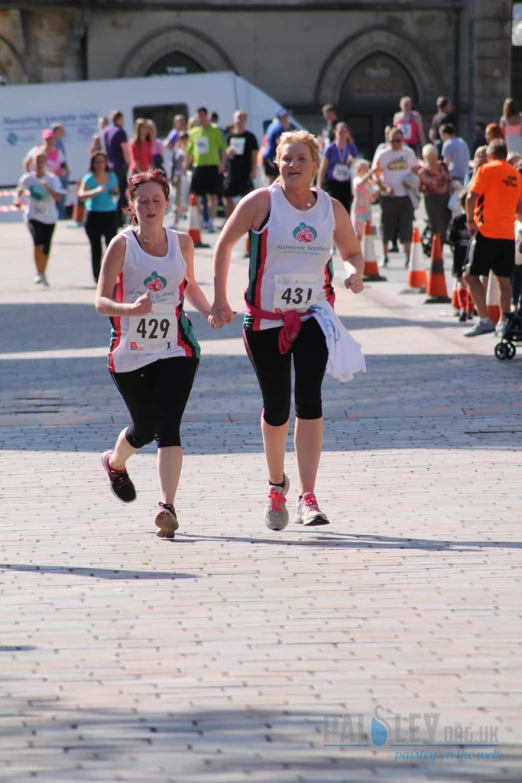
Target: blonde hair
[
  {"x": 429, "y": 149},
  {"x": 514, "y": 158},
  {"x": 360, "y": 163},
  {"x": 298, "y": 137}
]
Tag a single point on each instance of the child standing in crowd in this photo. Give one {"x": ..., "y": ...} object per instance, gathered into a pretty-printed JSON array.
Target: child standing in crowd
[
  {"x": 459, "y": 238},
  {"x": 178, "y": 168},
  {"x": 364, "y": 193}
]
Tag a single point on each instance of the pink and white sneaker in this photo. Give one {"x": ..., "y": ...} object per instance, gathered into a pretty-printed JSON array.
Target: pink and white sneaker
[
  {"x": 276, "y": 512},
  {"x": 308, "y": 512}
]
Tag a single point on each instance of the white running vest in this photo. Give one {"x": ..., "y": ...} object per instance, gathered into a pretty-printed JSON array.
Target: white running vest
[
  {"x": 290, "y": 258},
  {"x": 165, "y": 332}
]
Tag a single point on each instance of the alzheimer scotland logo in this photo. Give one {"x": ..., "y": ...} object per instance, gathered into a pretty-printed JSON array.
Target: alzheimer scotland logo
[
  {"x": 413, "y": 736},
  {"x": 304, "y": 233}
]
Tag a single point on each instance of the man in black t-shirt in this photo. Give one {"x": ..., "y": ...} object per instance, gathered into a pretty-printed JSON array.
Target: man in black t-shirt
[
  {"x": 443, "y": 116},
  {"x": 241, "y": 168}
]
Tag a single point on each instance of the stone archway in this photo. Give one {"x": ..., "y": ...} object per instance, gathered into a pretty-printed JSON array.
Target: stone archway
[
  {"x": 347, "y": 56},
  {"x": 10, "y": 65},
  {"x": 177, "y": 39}
]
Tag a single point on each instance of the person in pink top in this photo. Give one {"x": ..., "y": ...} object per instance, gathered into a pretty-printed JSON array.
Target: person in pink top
[
  {"x": 511, "y": 124},
  {"x": 365, "y": 187},
  {"x": 55, "y": 159},
  {"x": 410, "y": 123}
]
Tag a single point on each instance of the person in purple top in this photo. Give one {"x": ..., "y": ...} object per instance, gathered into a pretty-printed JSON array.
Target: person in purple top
[
  {"x": 279, "y": 125},
  {"x": 114, "y": 142},
  {"x": 334, "y": 174}
]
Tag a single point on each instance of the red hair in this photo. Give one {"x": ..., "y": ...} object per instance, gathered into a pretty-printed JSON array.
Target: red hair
[
  {"x": 156, "y": 175},
  {"x": 495, "y": 131}
]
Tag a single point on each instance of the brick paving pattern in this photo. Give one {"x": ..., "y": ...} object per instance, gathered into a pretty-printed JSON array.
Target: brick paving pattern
[{"x": 216, "y": 658}]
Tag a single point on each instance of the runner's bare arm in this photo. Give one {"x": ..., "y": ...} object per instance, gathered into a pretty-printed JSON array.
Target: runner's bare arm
[
  {"x": 253, "y": 164},
  {"x": 349, "y": 248},
  {"x": 321, "y": 177},
  {"x": 249, "y": 213},
  {"x": 125, "y": 152},
  {"x": 53, "y": 193},
  {"x": 111, "y": 268},
  {"x": 193, "y": 292}
]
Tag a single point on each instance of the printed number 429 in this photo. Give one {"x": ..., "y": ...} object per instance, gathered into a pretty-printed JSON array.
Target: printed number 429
[
  {"x": 149, "y": 330},
  {"x": 297, "y": 295}
]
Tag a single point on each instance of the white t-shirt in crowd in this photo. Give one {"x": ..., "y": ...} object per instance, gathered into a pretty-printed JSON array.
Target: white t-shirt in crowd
[
  {"x": 394, "y": 166},
  {"x": 41, "y": 207}
]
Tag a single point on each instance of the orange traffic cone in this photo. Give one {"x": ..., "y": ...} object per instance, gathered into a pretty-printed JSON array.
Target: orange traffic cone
[
  {"x": 371, "y": 270},
  {"x": 416, "y": 274},
  {"x": 492, "y": 304},
  {"x": 79, "y": 210},
  {"x": 436, "y": 287},
  {"x": 194, "y": 229},
  {"x": 455, "y": 295}
]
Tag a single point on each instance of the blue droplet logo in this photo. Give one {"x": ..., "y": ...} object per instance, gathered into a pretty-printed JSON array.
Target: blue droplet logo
[{"x": 379, "y": 732}]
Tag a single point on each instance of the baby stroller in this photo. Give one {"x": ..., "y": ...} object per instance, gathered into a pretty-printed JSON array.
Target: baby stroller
[{"x": 506, "y": 348}]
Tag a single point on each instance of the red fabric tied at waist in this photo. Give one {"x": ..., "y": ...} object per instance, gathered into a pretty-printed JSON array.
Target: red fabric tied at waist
[{"x": 291, "y": 324}]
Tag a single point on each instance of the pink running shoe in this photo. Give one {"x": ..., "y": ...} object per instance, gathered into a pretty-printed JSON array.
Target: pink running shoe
[{"x": 308, "y": 512}]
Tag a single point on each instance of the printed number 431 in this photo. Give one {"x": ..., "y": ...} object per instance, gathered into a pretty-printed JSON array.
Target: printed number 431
[
  {"x": 149, "y": 330},
  {"x": 295, "y": 296}
]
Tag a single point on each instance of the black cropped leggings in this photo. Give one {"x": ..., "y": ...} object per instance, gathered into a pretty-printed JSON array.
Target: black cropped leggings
[
  {"x": 98, "y": 225},
  {"x": 156, "y": 396},
  {"x": 273, "y": 371}
]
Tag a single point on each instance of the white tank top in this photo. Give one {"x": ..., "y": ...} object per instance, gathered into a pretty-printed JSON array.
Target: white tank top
[
  {"x": 165, "y": 332},
  {"x": 290, "y": 258}
]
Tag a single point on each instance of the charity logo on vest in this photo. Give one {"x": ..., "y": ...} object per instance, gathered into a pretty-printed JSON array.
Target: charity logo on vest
[
  {"x": 155, "y": 282},
  {"x": 304, "y": 233}
]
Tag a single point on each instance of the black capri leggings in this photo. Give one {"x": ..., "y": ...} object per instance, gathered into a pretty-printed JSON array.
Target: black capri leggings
[
  {"x": 98, "y": 225},
  {"x": 273, "y": 370},
  {"x": 156, "y": 396}
]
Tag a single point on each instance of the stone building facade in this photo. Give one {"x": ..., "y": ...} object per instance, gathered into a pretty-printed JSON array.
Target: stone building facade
[{"x": 360, "y": 54}]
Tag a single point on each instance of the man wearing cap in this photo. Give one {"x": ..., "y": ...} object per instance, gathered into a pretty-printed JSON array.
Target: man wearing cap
[
  {"x": 279, "y": 125},
  {"x": 55, "y": 159}
]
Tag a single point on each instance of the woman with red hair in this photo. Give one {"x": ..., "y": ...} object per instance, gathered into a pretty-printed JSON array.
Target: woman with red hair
[{"x": 146, "y": 274}]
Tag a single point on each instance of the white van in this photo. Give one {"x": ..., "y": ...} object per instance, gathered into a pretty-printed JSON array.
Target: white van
[{"x": 25, "y": 110}]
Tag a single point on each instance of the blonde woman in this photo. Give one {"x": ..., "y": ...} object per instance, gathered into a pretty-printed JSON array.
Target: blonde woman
[
  {"x": 434, "y": 184},
  {"x": 292, "y": 227},
  {"x": 511, "y": 124}
]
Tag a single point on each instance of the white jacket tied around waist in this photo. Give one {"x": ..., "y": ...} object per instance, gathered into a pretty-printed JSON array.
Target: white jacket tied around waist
[{"x": 345, "y": 356}]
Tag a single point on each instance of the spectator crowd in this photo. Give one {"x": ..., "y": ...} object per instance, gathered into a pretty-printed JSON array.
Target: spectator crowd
[{"x": 471, "y": 192}]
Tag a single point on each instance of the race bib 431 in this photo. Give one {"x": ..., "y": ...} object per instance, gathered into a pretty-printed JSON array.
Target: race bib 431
[{"x": 296, "y": 292}]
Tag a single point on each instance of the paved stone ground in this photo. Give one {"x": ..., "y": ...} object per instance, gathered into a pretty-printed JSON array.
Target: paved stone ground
[{"x": 216, "y": 658}]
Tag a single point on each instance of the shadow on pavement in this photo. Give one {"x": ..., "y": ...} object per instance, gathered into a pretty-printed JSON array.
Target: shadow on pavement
[
  {"x": 348, "y": 541},
  {"x": 204, "y": 745},
  {"x": 97, "y": 573}
]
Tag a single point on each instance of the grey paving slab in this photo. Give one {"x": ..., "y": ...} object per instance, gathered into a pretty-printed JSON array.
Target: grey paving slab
[{"x": 217, "y": 658}]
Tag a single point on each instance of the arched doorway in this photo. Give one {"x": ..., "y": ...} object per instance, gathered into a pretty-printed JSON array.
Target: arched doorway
[
  {"x": 370, "y": 96},
  {"x": 175, "y": 63},
  {"x": 366, "y": 76}
]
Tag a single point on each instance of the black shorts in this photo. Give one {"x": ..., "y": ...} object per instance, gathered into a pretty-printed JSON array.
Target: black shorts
[
  {"x": 397, "y": 212},
  {"x": 237, "y": 186},
  {"x": 270, "y": 168},
  {"x": 206, "y": 180},
  {"x": 495, "y": 254},
  {"x": 42, "y": 234}
]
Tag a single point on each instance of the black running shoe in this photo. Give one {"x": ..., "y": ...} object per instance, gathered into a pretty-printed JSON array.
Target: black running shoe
[{"x": 121, "y": 485}]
